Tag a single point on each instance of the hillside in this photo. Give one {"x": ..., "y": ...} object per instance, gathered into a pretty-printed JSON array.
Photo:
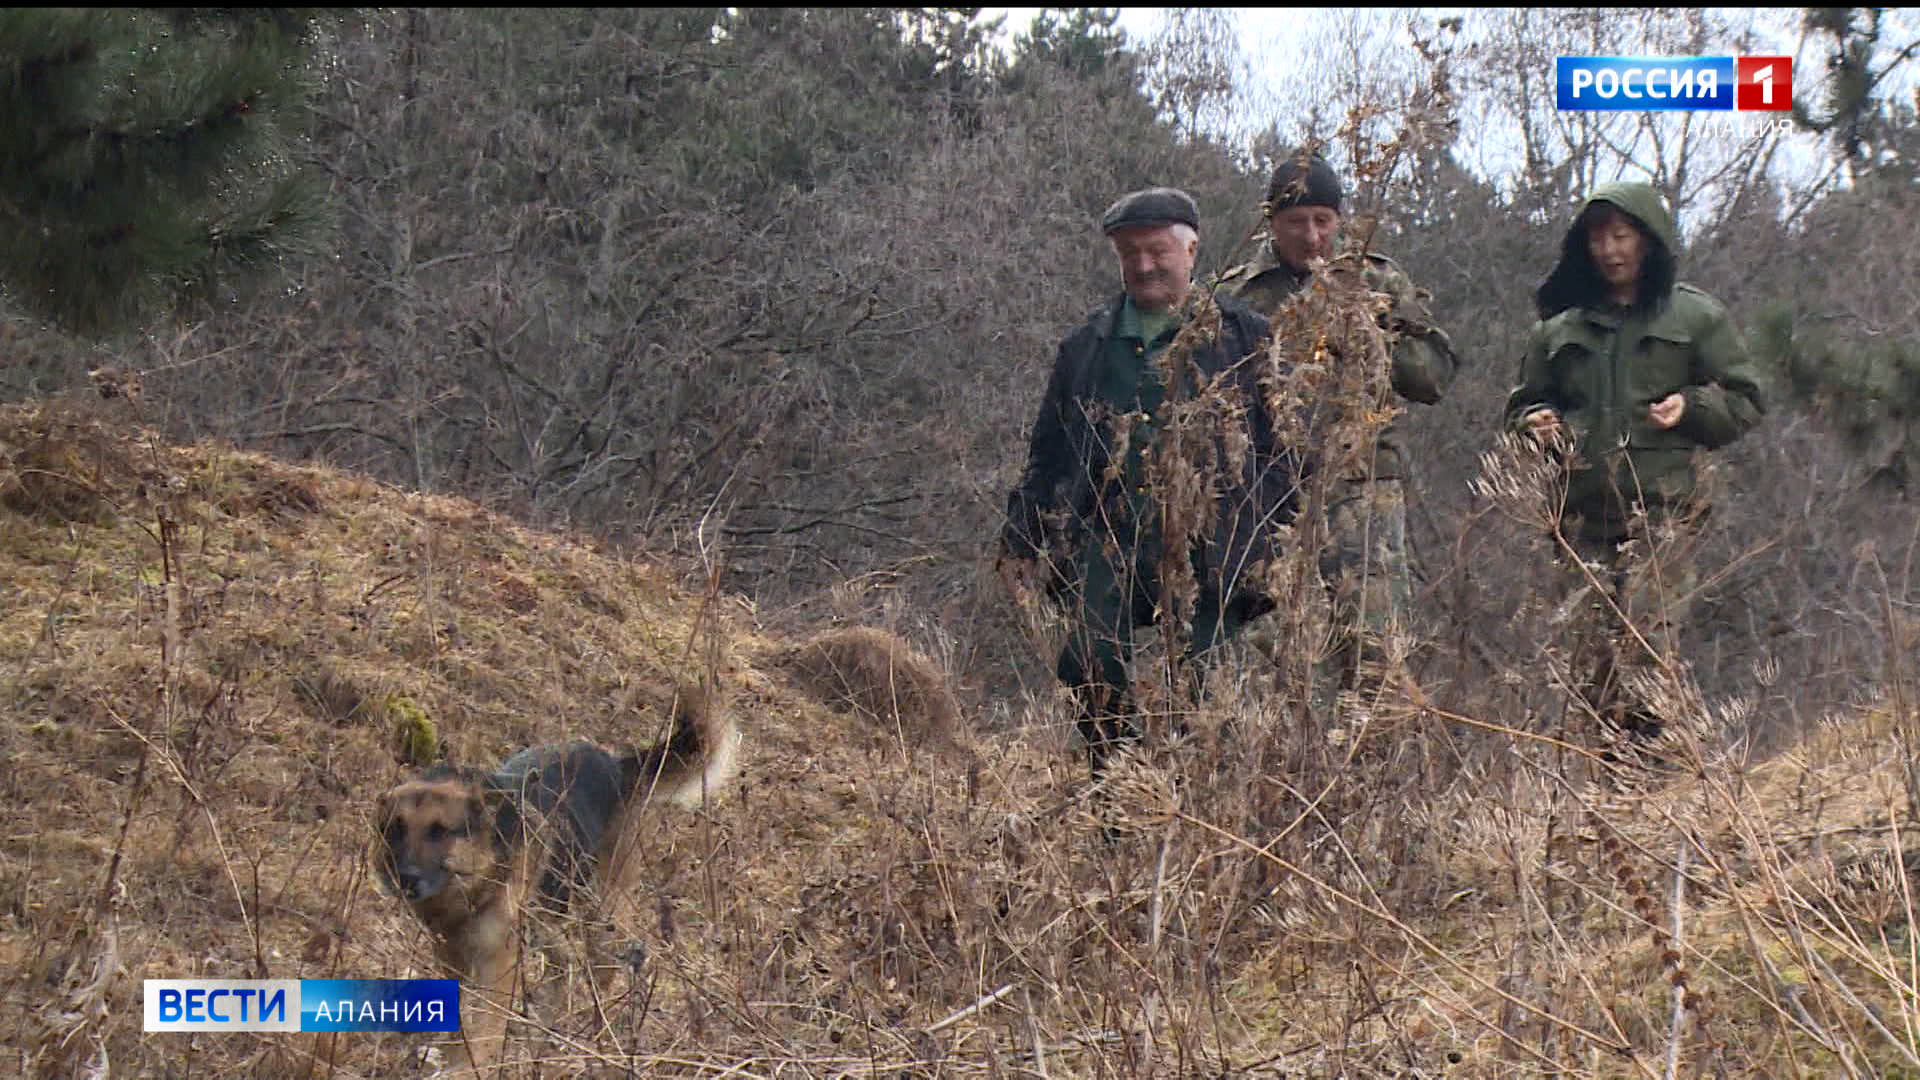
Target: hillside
[{"x": 212, "y": 663}]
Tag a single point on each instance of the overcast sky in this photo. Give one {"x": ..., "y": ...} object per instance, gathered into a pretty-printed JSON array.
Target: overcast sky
[{"x": 1277, "y": 42}]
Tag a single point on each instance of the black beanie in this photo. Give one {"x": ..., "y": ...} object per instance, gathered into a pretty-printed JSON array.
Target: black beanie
[{"x": 1315, "y": 184}]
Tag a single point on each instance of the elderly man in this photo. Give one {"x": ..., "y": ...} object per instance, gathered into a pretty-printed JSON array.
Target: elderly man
[
  {"x": 1085, "y": 502},
  {"x": 1365, "y": 561}
]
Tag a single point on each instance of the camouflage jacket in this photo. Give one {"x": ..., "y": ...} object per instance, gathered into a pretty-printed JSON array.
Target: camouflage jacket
[
  {"x": 1601, "y": 367},
  {"x": 1423, "y": 357}
]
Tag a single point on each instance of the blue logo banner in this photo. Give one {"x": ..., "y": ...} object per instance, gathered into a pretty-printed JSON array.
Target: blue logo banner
[
  {"x": 1644, "y": 82},
  {"x": 302, "y": 1005}
]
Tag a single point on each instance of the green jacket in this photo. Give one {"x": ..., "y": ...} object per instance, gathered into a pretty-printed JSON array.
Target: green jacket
[
  {"x": 1601, "y": 366},
  {"x": 1423, "y": 358}
]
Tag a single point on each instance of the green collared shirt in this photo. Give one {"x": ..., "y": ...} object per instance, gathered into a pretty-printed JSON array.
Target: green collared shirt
[{"x": 1131, "y": 382}]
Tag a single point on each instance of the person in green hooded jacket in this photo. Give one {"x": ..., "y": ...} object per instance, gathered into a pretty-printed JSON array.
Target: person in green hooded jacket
[{"x": 1634, "y": 374}]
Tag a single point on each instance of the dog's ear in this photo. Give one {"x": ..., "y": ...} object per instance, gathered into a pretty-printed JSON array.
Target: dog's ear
[
  {"x": 490, "y": 807},
  {"x": 380, "y": 850},
  {"x": 488, "y": 800},
  {"x": 499, "y": 811},
  {"x": 383, "y": 815}
]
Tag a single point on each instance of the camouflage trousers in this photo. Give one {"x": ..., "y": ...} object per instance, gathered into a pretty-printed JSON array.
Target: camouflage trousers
[
  {"x": 1624, "y": 609},
  {"x": 1369, "y": 581}
]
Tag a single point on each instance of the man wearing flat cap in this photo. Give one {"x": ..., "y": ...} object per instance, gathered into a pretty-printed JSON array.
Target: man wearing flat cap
[
  {"x": 1084, "y": 505},
  {"x": 1364, "y": 563}
]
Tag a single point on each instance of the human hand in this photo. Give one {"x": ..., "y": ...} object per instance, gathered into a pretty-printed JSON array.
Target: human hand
[
  {"x": 1667, "y": 411},
  {"x": 1542, "y": 421}
]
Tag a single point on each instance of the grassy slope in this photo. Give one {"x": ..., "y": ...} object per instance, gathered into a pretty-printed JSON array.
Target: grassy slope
[{"x": 194, "y": 732}]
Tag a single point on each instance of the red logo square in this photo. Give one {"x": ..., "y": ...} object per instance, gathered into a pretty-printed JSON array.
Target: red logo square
[{"x": 1764, "y": 82}]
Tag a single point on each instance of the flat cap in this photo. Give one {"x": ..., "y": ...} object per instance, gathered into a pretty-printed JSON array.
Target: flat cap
[
  {"x": 1303, "y": 180},
  {"x": 1151, "y": 206}
]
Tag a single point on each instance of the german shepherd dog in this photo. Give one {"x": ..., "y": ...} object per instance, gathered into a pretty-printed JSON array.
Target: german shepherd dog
[{"x": 474, "y": 852}]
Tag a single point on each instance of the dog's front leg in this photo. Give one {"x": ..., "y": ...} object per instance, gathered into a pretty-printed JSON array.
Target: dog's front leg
[{"x": 489, "y": 960}]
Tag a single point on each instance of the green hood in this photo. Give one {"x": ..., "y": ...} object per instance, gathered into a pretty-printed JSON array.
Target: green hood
[{"x": 1575, "y": 281}]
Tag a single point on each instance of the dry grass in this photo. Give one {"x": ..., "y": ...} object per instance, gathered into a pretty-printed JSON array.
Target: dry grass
[
  {"x": 209, "y": 676},
  {"x": 211, "y": 661}
]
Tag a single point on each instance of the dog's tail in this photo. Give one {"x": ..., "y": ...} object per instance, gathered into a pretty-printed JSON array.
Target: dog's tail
[{"x": 696, "y": 758}]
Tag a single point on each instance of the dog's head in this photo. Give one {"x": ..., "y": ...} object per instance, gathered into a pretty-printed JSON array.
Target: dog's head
[{"x": 434, "y": 830}]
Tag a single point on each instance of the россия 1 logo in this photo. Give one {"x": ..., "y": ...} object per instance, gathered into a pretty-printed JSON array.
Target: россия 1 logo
[{"x": 1719, "y": 83}]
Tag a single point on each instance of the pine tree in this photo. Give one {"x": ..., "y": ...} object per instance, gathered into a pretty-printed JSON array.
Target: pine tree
[
  {"x": 1868, "y": 390},
  {"x": 145, "y": 155},
  {"x": 1861, "y": 117}
]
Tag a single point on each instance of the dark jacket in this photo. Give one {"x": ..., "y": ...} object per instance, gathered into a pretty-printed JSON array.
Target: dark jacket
[
  {"x": 1065, "y": 489},
  {"x": 1600, "y": 368}
]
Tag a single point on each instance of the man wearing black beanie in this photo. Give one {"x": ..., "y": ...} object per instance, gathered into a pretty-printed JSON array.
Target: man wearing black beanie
[{"x": 1365, "y": 562}]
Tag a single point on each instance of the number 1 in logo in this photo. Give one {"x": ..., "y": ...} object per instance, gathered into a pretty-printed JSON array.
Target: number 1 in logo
[{"x": 1765, "y": 83}]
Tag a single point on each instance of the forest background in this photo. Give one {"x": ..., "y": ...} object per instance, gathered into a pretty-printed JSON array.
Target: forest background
[{"x": 790, "y": 280}]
